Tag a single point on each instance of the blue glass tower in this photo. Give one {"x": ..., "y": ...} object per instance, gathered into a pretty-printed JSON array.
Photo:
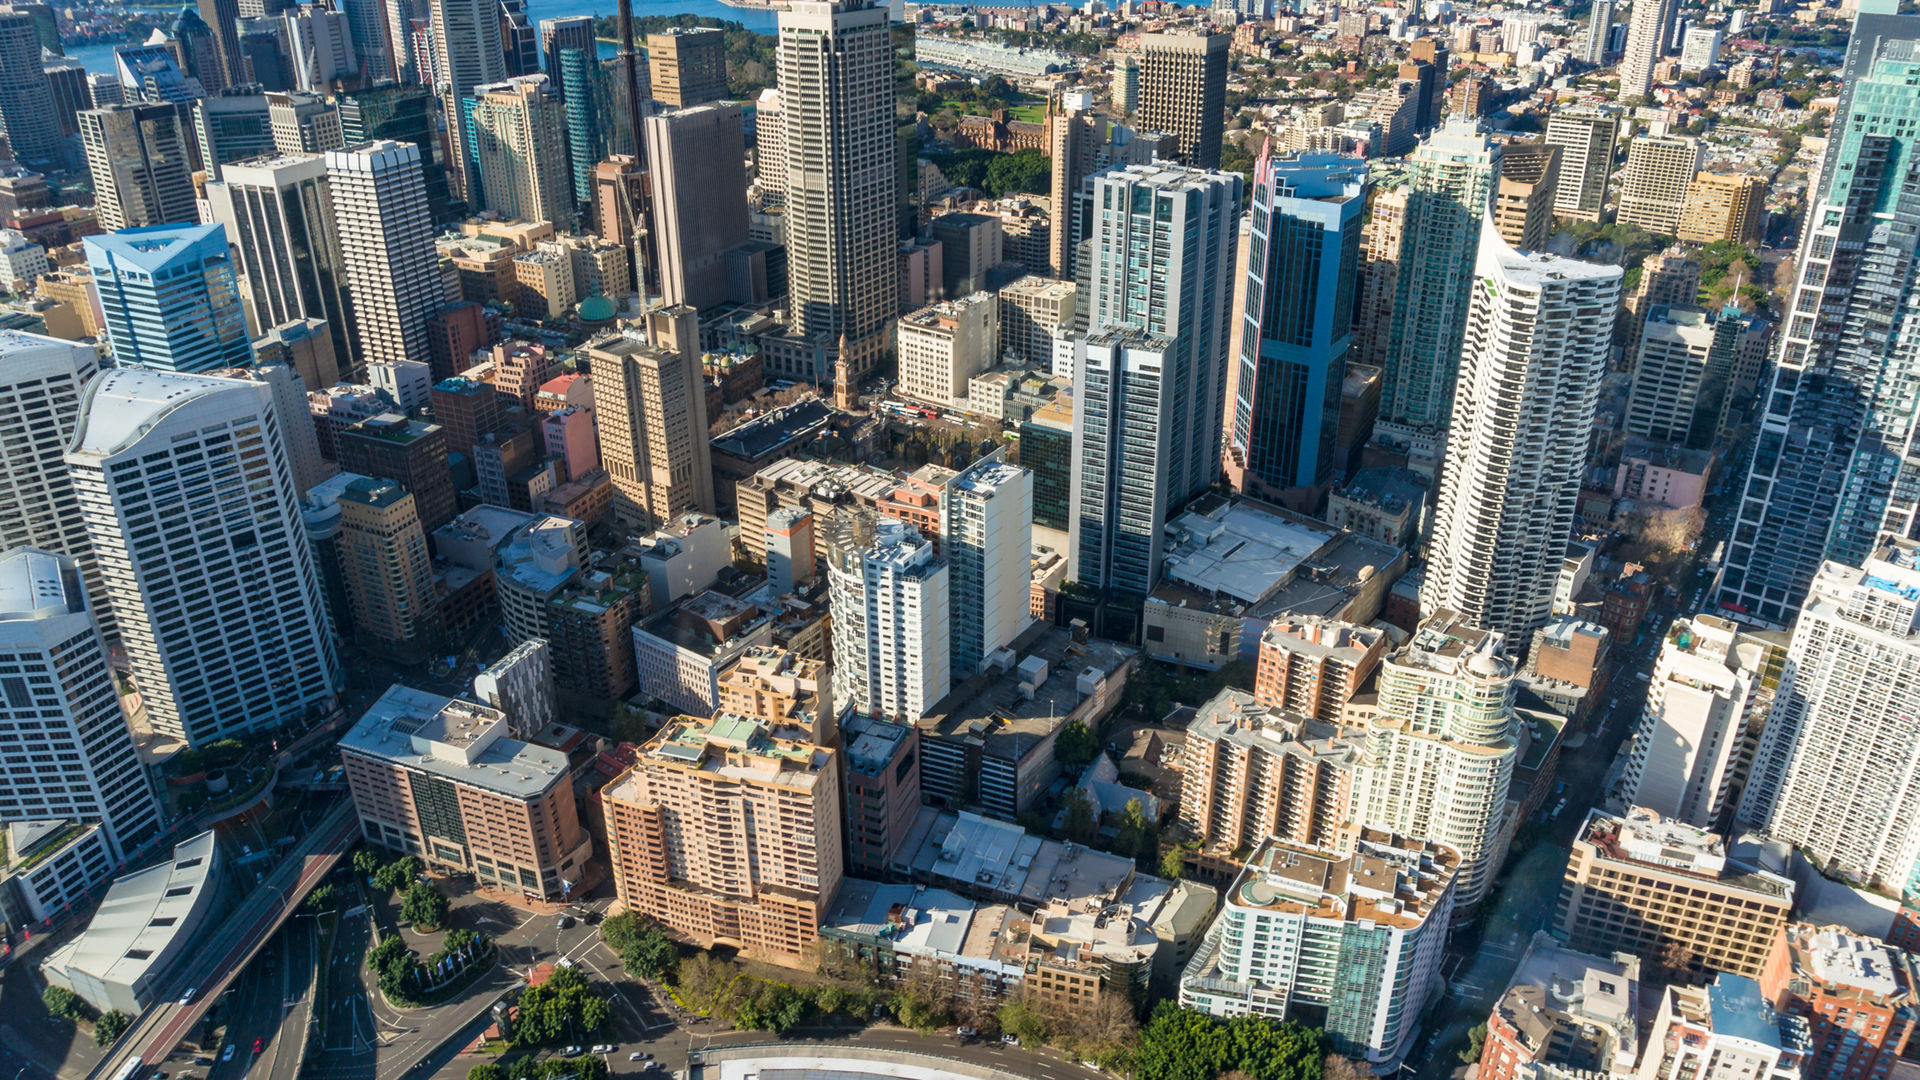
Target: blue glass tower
[
  {"x": 1308, "y": 211},
  {"x": 579, "y": 86},
  {"x": 170, "y": 298}
]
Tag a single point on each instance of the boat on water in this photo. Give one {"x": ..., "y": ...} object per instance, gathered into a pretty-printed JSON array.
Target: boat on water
[{"x": 757, "y": 5}]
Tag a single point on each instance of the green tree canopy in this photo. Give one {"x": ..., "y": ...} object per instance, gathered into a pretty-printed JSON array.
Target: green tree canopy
[
  {"x": 1075, "y": 747},
  {"x": 64, "y": 1003},
  {"x": 365, "y": 861},
  {"x": 488, "y": 1071},
  {"x": 395, "y": 876},
  {"x": 566, "y": 1006},
  {"x": 423, "y": 906},
  {"x": 110, "y": 1026}
]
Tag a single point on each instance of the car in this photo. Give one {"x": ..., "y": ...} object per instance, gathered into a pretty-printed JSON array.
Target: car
[
  {"x": 203, "y": 1061},
  {"x": 1010, "y": 1040},
  {"x": 566, "y": 922},
  {"x": 227, "y": 1054},
  {"x": 187, "y": 998},
  {"x": 651, "y": 1066},
  {"x": 967, "y": 1032},
  {"x": 570, "y": 1051},
  {"x": 603, "y": 1048},
  {"x": 258, "y": 1045},
  {"x": 638, "y": 1056}
]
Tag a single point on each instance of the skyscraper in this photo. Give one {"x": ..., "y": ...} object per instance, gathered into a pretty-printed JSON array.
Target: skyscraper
[
  {"x": 1653, "y": 186},
  {"x": 1439, "y": 754},
  {"x": 986, "y": 535},
  {"x": 699, "y": 199},
  {"x": 1538, "y": 333},
  {"x": 387, "y": 569},
  {"x": 142, "y": 168},
  {"x": 304, "y": 123},
  {"x": 519, "y": 41},
  {"x": 520, "y": 142},
  {"x": 1523, "y": 201},
  {"x": 1585, "y": 137},
  {"x": 190, "y": 506},
  {"x": 688, "y": 65},
  {"x": 170, "y": 298},
  {"x": 233, "y": 126},
  {"x": 1296, "y": 325},
  {"x": 559, "y": 35},
  {"x": 1451, "y": 179},
  {"x": 1834, "y": 465},
  {"x": 1649, "y": 29},
  {"x": 65, "y": 747},
  {"x": 892, "y": 606},
  {"x": 1126, "y": 453},
  {"x": 222, "y": 16},
  {"x": 367, "y": 29},
  {"x": 386, "y": 244},
  {"x": 1163, "y": 263},
  {"x": 836, "y": 69},
  {"x": 1183, "y": 90},
  {"x": 278, "y": 211},
  {"x": 466, "y": 54},
  {"x": 1593, "y": 49},
  {"x": 403, "y": 112},
  {"x": 650, "y": 408},
  {"x": 40, "y": 383},
  {"x": 579, "y": 84},
  {"x": 27, "y": 115},
  {"x": 1837, "y": 771},
  {"x": 1082, "y": 143}
]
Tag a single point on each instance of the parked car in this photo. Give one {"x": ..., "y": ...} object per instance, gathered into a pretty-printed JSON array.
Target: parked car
[
  {"x": 1010, "y": 1040},
  {"x": 566, "y": 922},
  {"x": 187, "y": 997},
  {"x": 570, "y": 1051},
  {"x": 603, "y": 1048},
  {"x": 638, "y": 1056}
]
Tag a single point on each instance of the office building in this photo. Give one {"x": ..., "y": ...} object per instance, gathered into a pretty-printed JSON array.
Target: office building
[
  {"x": 893, "y": 617},
  {"x": 1668, "y": 278},
  {"x": 1649, "y": 31},
  {"x": 1440, "y": 753},
  {"x": 1834, "y": 773},
  {"x": 1593, "y": 47},
  {"x": 1523, "y": 201},
  {"x": 1705, "y": 708},
  {"x": 410, "y": 452},
  {"x": 1721, "y": 207},
  {"x": 386, "y": 245},
  {"x": 223, "y": 625},
  {"x": 467, "y": 54},
  {"x": 1700, "y": 49},
  {"x": 1653, "y": 186},
  {"x": 440, "y": 779},
  {"x": 1036, "y": 316},
  {"x": 519, "y": 139},
  {"x": 1283, "y": 943},
  {"x": 27, "y": 113},
  {"x": 687, "y": 66},
  {"x": 278, "y": 212},
  {"x": 61, "y": 701},
  {"x": 1188, "y": 220},
  {"x": 232, "y": 126},
  {"x": 1537, "y": 337},
  {"x": 559, "y": 35},
  {"x": 1046, "y": 451},
  {"x": 304, "y": 123},
  {"x": 725, "y": 831},
  {"x": 1669, "y": 893},
  {"x": 403, "y": 112},
  {"x": 1565, "y": 1013},
  {"x": 881, "y": 790},
  {"x": 650, "y": 407},
  {"x": 835, "y": 59},
  {"x": 1296, "y": 325},
  {"x": 986, "y": 536},
  {"x": 1585, "y": 137},
  {"x": 699, "y": 198},
  {"x": 170, "y": 298},
  {"x": 943, "y": 346},
  {"x": 387, "y": 569},
  {"x": 1855, "y": 993},
  {"x": 141, "y": 165},
  {"x": 1682, "y": 372},
  {"x": 220, "y": 17},
  {"x": 1125, "y": 459},
  {"x": 1833, "y": 488},
  {"x": 1081, "y": 144},
  {"x": 41, "y": 379},
  {"x": 1183, "y": 91},
  {"x": 1452, "y": 177}
]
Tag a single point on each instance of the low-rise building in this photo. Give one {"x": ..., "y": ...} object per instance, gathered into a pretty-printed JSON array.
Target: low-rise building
[
  {"x": 144, "y": 925},
  {"x": 1565, "y": 1013},
  {"x": 1662, "y": 475},
  {"x": 1567, "y": 665},
  {"x": 1296, "y": 921},
  {"x": 1382, "y": 504},
  {"x": 1669, "y": 892},
  {"x": 683, "y": 557},
  {"x": 439, "y": 778}
]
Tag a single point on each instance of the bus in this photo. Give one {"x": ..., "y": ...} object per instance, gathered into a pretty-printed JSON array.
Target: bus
[{"x": 132, "y": 1070}]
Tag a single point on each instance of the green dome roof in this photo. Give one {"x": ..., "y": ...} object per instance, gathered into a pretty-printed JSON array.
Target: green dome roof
[{"x": 597, "y": 309}]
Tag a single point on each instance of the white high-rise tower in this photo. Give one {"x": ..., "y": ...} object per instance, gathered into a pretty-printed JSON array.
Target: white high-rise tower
[
  {"x": 386, "y": 243},
  {"x": 191, "y": 508},
  {"x": 1538, "y": 331},
  {"x": 65, "y": 750},
  {"x": 1649, "y": 28},
  {"x": 986, "y": 534},
  {"x": 40, "y": 383},
  {"x": 891, "y": 617}
]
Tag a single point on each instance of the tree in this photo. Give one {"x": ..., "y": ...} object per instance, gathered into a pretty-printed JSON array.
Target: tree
[
  {"x": 1080, "y": 825},
  {"x": 64, "y": 1003},
  {"x": 110, "y": 1026},
  {"x": 1676, "y": 962},
  {"x": 1173, "y": 862},
  {"x": 565, "y": 1006},
  {"x": 1476, "y": 1041},
  {"x": 320, "y": 899},
  {"x": 488, "y": 1071},
  {"x": 1137, "y": 836},
  {"x": 394, "y": 876},
  {"x": 1020, "y": 1021},
  {"x": 423, "y": 906},
  {"x": 1028, "y": 171},
  {"x": 1075, "y": 747},
  {"x": 392, "y": 963},
  {"x": 365, "y": 861},
  {"x": 642, "y": 945}
]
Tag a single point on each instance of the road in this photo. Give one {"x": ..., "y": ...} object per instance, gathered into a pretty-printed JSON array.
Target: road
[{"x": 218, "y": 959}]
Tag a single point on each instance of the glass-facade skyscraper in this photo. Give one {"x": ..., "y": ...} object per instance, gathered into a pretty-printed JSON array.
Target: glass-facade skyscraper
[
  {"x": 170, "y": 298},
  {"x": 1835, "y": 463}
]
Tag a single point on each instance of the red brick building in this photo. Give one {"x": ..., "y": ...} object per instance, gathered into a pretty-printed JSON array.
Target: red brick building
[{"x": 1855, "y": 992}]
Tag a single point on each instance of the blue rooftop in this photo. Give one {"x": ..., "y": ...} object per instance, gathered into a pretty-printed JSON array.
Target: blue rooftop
[
  {"x": 151, "y": 248},
  {"x": 1741, "y": 1011}
]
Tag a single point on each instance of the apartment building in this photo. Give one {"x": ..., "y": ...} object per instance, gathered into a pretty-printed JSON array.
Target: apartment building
[
  {"x": 1563, "y": 1011},
  {"x": 1667, "y": 891},
  {"x": 1856, "y": 994},
  {"x": 1726, "y": 1030},
  {"x": 727, "y": 833},
  {"x": 1250, "y": 771},
  {"x": 1313, "y": 666},
  {"x": 1721, "y": 207},
  {"x": 439, "y": 778},
  {"x": 790, "y": 694},
  {"x": 1653, "y": 186}
]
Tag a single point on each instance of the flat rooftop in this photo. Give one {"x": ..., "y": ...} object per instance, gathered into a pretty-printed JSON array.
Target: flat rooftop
[
  {"x": 456, "y": 740},
  {"x": 992, "y": 707}
]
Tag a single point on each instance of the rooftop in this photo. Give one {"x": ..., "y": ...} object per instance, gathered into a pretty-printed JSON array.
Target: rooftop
[
  {"x": 732, "y": 748},
  {"x": 1392, "y": 880},
  {"x": 1389, "y": 489},
  {"x": 1643, "y": 836},
  {"x": 456, "y": 740},
  {"x": 773, "y": 430},
  {"x": 136, "y": 921},
  {"x": 123, "y": 404},
  {"x": 37, "y": 584},
  {"x": 996, "y": 708}
]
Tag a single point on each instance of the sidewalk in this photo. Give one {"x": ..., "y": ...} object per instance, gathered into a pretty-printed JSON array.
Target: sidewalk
[{"x": 591, "y": 876}]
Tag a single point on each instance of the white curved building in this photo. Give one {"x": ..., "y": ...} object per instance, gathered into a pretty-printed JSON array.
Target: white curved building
[
  {"x": 144, "y": 924},
  {"x": 190, "y": 504},
  {"x": 1538, "y": 332}
]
